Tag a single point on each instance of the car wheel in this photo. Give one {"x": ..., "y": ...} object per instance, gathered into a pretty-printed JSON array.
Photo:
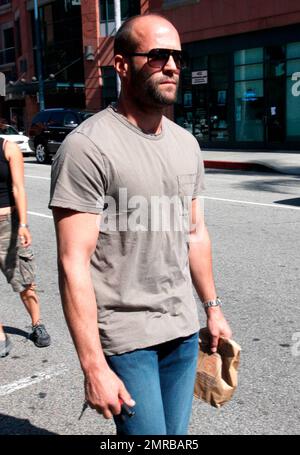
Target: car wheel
[{"x": 41, "y": 153}]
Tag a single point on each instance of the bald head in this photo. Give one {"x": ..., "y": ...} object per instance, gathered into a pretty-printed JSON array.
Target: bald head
[{"x": 139, "y": 29}]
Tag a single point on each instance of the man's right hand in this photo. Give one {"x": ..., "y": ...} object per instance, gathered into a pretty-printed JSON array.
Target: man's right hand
[{"x": 105, "y": 392}]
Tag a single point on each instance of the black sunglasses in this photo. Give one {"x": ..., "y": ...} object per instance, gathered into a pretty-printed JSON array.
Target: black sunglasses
[{"x": 158, "y": 58}]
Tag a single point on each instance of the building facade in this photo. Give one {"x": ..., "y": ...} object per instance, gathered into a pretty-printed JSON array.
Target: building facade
[
  {"x": 61, "y": 49},
  {"x": 241, "y": 89}
]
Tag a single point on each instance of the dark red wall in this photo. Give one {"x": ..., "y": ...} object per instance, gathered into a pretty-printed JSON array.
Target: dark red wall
[{"x": 205, "y": 19}]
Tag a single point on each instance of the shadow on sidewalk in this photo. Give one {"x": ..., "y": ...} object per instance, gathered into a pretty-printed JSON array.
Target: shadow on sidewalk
[
  {"x": 274, "y": 184},
  {"x": 294, "y": 201},
  {"x": 12, "y": 426}
]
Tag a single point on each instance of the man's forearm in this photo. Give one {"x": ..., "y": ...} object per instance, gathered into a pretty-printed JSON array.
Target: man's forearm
[
  {"x": 80, "y": 309},
  {"x": 200, "y": 259}
]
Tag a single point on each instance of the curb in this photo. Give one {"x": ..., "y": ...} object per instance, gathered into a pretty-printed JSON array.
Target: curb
[{"x": 238, "y": 166}]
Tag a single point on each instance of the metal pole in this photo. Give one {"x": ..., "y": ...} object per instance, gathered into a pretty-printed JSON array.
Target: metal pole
[
  {"x": 38, "y": 55},
  {"x": 117, "y": 7}
]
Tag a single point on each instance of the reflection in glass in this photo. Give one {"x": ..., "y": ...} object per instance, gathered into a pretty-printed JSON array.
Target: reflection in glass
[
  {"x": 248, "y": 56},
  {"x": 244, "y": 73},
  {"x": 218, "y": 102},
  {"x": 293, "y": 50},
  {"x": 249, "y": 111}
]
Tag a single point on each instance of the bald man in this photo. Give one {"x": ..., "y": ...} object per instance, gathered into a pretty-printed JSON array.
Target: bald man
[{"x": 125, "y": 195}]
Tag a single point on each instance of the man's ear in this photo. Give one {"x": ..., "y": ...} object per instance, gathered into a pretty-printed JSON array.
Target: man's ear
[{"x": 121, "y": 66}]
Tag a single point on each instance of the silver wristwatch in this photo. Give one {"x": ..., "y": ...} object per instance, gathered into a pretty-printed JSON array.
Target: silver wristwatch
[{"x": 212, "y": 303}]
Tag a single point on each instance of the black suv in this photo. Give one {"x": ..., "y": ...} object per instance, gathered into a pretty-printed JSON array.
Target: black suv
[{"x": 50, "y": 127}]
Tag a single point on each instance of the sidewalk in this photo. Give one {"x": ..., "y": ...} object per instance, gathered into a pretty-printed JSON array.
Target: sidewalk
[{"x": 281, "y": 161}]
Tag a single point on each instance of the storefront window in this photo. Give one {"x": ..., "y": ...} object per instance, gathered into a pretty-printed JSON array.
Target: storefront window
[
  {"x": 249, "y": 109},
  {"x": 248, "y": 56},
  {"x": 292, "y": 66},
  {"x": 202, "y": 106},
  {"x": 293, "y": 50},
  {"x": 218, "y": 101},
  {"x": 293, "y": 92},
  {"x": 249, "y": 95},
  {"x": 257, "y": 101},
  {"x": 248, "y": 72},
  {"x": 274, "y": 61},
  {"x": 201, "y": 119}
]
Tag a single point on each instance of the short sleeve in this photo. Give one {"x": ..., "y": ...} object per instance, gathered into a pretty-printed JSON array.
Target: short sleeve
[
  {"x": 199, "y": 183},
  {"x": 78, "y": 175}
]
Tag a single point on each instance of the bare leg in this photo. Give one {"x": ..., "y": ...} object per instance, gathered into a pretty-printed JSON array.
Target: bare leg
[
  {"x": 2, "y": 334},
  {"x": 31, "y": 301}
]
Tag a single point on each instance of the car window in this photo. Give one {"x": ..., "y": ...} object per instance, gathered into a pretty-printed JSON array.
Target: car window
[
  {"x": 70, "y": 119},
  {"x": 7, "y": 129},
  {"x": 56, "y": 119},
  {"x": 85, "y": 115},
  {"x": 40, "y": 117}
]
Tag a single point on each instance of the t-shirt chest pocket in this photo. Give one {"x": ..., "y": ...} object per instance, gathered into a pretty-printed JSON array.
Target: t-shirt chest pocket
[{"x": 186, "y": 185}]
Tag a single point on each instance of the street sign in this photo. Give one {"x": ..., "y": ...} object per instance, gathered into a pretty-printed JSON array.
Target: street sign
[
  {"x": 2, "y": 84},
  {"x": 199, "y": 77},
  {"x": 202, "y": 73},
  {"x": 199, "y": 80}
]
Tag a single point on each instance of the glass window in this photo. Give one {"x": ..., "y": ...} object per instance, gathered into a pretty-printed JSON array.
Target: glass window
[
  {"x": 293, "y": 50},
  {"x": 199, "y": 63},
  {"x": 40, "y": 117},
  {"x": 7, "y": 129},
  {"x": 248, "y": 72},
  {"x": 61, "y": 38},
  {"x": 18, "y": 38},
  {"x": 107, "y": 10},
  {"x": 56, "y": 119},
  {"x": 275, "y": 61},
  {"x": 249, "y": 111},
  {"x": 293, "y": 106},
  {"x": 218, "y": 97},
  {"x": 292, "y": 66},
  {"x": 248, "y": 56},
  {"x": 7, "y": 52},
  {"x": 107, "y": 14},
  {"x": 70, "y": 119},
  {"x": 109, "y": 86}
]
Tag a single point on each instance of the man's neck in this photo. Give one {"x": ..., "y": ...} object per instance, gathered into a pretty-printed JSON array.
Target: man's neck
[{"x": 144, "y": 117}]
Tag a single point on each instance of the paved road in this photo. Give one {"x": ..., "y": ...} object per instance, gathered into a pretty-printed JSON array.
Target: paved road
[{"x": 254, "y": 222}]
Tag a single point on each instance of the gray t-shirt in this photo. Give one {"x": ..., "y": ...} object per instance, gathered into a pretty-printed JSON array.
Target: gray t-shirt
[{"x": 140, "y": 184}]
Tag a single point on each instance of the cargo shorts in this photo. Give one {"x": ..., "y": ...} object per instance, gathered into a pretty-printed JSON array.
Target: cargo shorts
[{"x": 16, "y": 262}]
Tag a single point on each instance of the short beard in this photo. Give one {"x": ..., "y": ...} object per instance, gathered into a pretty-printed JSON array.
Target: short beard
[
  {"x": 157, "y": 97},
  {"x": 146, "y": 91}
]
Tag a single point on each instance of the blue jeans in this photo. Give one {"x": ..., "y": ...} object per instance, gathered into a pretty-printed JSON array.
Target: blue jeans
[{"x": 161, "y": 380}]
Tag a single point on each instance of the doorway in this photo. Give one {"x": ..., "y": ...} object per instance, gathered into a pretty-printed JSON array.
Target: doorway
[{"x": 275, "y": 95}]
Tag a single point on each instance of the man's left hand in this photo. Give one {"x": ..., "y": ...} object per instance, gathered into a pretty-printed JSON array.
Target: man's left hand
[{"x": 217, "y": 326}]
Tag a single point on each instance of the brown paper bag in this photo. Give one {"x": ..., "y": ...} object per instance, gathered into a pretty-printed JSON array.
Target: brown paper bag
[{"x": 217, "y": 376}]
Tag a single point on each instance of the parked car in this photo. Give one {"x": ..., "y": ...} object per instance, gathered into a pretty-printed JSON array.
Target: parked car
[
  {"x": 11, "y": 134},
  {"x": 50, "y": 127}
]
